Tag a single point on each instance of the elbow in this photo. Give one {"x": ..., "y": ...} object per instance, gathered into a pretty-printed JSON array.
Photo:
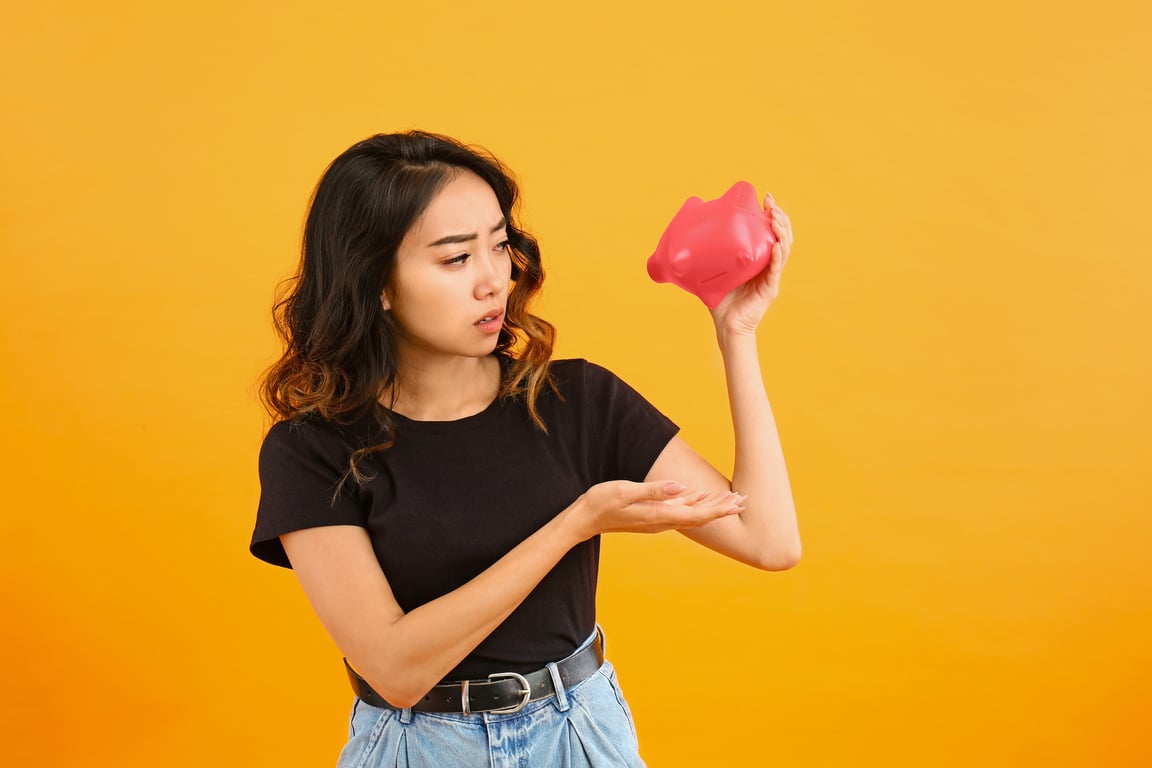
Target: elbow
[
  {"x": 397, "y": 686},
  {"x": 403, "y": 700},
  {"x": 779, "y": 558},
  {"x": 399, "y": 695}
]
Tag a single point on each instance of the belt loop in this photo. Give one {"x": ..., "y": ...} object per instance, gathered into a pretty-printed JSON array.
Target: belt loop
[
  {"x": 406, "y": 715},
  {"x": 558, "y": 686}
]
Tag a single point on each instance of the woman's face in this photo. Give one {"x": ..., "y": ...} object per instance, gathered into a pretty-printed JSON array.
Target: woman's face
[{"x": 449, "y": 288}]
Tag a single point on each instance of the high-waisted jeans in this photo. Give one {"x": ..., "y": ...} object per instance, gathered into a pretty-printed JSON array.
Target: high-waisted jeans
[{"x": 587, "y": 726}]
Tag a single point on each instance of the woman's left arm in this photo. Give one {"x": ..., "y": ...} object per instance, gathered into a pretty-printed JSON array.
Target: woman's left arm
[{"x": 766, "y": 534}]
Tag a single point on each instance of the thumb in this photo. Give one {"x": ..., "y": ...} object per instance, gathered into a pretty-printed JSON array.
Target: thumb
[
  {"x": 666, "y": 490},
  {"x": 626, "y": 492}
]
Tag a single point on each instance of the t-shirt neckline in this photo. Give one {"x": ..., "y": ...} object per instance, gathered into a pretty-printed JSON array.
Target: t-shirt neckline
[{"x": 490, "y": 412}]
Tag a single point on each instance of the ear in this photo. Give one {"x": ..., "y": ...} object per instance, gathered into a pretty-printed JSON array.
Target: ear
[{"x": 385, "y": 300}]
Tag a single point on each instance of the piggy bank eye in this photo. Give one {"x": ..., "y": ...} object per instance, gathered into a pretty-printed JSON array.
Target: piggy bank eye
[{"x": 681, "y": 262}]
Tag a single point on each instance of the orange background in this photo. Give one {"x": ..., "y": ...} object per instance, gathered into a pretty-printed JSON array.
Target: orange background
[{"x": 960, "y": 359}]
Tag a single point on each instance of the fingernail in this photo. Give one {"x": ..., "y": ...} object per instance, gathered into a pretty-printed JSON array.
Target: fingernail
[{"x": 673, "y": 488}]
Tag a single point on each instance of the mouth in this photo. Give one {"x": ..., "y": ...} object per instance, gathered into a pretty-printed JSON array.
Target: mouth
[{"x": 491, "y": 322}]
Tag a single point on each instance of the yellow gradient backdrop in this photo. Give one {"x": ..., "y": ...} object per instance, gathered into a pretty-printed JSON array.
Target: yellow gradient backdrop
[{"x": 960, "y": 360}]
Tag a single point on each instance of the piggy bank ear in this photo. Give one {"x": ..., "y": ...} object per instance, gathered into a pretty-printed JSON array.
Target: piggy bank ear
[
  {"x": 684, "y": 214},
  {"x": 742, "y": 195}
]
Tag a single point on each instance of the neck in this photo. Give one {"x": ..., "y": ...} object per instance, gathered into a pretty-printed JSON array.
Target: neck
[{"x": 444, "y": 389}]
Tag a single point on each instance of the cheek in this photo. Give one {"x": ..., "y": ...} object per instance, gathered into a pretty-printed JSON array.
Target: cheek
[
  {"x": 422, "y": 306},
  {"x": 409, "y": 289}
]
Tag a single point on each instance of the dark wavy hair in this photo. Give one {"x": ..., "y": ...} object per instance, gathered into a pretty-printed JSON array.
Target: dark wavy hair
[{"x": 339, "y": 344}]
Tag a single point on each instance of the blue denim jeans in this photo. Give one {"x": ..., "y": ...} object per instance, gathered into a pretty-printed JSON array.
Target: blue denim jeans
[{"x": 587, "y": 726}]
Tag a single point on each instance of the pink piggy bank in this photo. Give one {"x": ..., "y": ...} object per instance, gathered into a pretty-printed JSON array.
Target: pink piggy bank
[{"x": 712, "y": 247}]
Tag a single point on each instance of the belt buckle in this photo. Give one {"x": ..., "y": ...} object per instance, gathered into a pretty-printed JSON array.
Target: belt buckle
[{"x": 526, "y": 692}]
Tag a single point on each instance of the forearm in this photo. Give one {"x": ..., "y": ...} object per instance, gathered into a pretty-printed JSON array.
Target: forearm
[
  {"x": 402, "y": 655},
  {"x": 759, "y": 470},
  {"x": 416, "y": 650}
]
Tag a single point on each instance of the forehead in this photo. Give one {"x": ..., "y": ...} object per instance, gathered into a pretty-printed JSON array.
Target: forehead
[{"x": 464, "y": 205}]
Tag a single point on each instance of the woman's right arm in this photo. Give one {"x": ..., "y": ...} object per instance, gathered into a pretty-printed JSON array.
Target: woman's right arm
[{"x": 402, "y": 655}]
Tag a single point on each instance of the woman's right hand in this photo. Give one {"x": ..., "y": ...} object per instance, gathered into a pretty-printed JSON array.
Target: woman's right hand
[{"x": 652, "y": 507}]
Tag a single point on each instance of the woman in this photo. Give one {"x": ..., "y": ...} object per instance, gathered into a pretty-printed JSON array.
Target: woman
[{"x": 439, "y": 485}]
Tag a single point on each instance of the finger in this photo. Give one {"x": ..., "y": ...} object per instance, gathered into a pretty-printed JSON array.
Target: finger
[
  {"x": 721, "y": 498},
  {"x": 772, "y": 284},
  {"x": 686, "y": 499},
  {"x": 777, "y": 258},
  {"x": 652, "y": 491},
  {"x": 783, "y": 246},
  {"x": 722, "y": 506},
  {"x": 783, "y": 236},
  {"x": 783, "y": 228},
  {"x": 766, "y": 277}
]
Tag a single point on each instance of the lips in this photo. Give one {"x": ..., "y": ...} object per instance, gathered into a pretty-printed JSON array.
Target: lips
[
  {"x": 491, "y": 317},
  {"x": 491, "y": 322}
]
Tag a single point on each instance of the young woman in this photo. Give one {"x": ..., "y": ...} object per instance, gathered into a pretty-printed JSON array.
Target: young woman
[{"x": 439, "y": 485}]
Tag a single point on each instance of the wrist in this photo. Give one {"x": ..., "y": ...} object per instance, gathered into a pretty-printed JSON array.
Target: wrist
[
  {"x": 735, "y": 341},
  {"x": 572, "y": 523}
]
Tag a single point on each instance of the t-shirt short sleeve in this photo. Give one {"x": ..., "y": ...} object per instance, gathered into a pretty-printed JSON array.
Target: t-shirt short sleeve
[
  {"x": 628, "y": 431},
  {"x": 302, "y": 465}
]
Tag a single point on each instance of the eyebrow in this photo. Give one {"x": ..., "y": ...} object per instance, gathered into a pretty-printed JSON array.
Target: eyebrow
[{"x": 453, "y": 239}]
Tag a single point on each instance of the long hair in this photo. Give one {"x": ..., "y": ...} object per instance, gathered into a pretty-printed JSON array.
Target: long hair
[{"x": 339, "y": 344}]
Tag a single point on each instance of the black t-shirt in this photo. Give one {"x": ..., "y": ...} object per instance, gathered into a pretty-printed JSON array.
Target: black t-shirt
[{"x": 449, "y": 499}]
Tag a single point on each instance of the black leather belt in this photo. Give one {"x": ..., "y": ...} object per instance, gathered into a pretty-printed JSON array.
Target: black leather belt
[{"x": 502, "y": 692}]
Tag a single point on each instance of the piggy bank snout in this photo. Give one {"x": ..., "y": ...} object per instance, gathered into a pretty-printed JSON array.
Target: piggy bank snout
[{"x": 658, "y": 268}]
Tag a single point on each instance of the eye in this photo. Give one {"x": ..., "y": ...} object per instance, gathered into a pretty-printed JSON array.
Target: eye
[
  {"x": 455, "y": 260},
  {"x": 502, "y": 246}
]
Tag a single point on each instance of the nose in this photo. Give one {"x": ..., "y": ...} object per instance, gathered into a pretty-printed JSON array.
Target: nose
[{"x": 493, "y": 273}]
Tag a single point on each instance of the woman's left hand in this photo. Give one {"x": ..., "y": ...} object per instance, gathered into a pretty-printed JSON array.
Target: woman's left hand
[{"x": 741, "y": 310}]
